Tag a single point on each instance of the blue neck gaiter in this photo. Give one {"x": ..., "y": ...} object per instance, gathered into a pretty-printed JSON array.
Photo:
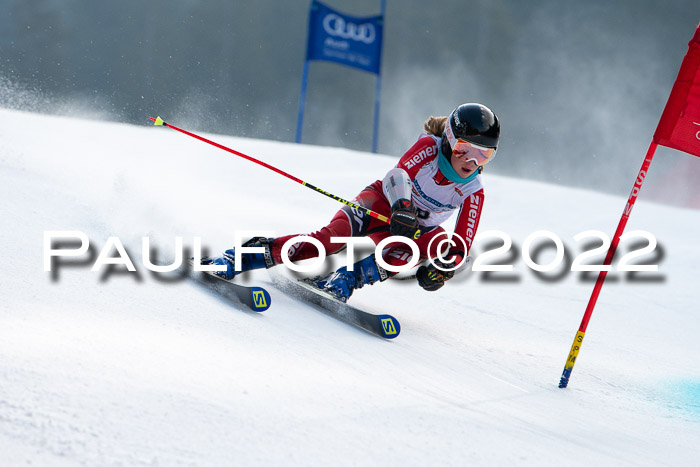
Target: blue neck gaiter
[{"x": 449, "y": 172}]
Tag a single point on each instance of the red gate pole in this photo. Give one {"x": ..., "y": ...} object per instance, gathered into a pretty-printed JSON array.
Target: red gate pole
[{"x": 576, "y": 346}]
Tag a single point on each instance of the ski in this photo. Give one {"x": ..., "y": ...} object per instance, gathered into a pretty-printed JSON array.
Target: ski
[
  {"x": 255, "y": 298},
  {"x": 385, "y": 326}
]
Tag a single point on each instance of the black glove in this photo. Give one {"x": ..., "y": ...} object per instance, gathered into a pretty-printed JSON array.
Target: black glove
[
  {"x": 403, "y": 219},
  {"x": 432, "y": 278}
]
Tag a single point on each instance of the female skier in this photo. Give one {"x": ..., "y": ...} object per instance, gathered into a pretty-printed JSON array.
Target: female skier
[{"x": 439, "y": 174}]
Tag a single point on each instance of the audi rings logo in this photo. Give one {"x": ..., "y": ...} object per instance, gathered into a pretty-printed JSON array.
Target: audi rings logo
[
  {"x": 441, "y": 250},
  {"x": 335, "y": 25}
]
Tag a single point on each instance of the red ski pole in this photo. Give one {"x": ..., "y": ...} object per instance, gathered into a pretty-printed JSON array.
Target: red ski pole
[{"x": 376, "y": 215}]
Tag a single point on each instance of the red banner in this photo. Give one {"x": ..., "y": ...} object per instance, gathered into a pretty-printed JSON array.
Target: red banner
[{"x": 679, "y": 127}]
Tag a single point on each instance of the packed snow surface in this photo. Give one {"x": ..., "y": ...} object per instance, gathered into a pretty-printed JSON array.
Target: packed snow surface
[{"x": 138, "y": 368}]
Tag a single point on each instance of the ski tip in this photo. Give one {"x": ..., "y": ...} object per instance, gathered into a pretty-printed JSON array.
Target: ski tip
[
  {"x": 157, "y": 120},
  {"x": 261, "y": 299},
  {"x": 390, "y": 326}
]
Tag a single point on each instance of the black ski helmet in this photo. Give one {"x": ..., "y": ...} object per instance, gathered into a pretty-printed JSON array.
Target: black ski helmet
[{"x": 474, "y": 123}]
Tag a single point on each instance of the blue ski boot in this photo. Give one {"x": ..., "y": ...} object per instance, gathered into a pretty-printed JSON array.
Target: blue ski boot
[
  {"x": 249, "y": 261},
  {"x": 342, "y": 282}
]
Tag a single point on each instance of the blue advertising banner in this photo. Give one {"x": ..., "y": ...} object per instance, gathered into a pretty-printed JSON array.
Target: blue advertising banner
[{"x": 344, "y": 39}]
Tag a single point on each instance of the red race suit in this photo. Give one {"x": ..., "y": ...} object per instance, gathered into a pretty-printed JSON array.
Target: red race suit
[{"x": 434, "y": 196}]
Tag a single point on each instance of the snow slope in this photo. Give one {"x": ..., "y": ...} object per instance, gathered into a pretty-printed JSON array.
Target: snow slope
[{"x": 117, "y": 368}]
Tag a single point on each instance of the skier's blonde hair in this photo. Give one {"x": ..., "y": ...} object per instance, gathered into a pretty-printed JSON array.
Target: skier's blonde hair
[{"x": 435, "y": 125}]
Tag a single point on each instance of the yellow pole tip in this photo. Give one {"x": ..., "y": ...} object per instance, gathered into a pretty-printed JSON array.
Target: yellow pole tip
[{"x": 159, "y": 121}]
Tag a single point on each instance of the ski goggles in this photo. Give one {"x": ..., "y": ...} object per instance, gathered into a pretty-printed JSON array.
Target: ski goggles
[{"x": 466, "y": 151}]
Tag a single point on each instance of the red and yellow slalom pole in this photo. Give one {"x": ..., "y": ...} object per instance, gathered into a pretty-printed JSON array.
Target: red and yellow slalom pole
[
  {"x": 159, "y": 121},
  {"x": 578, "y": 340}
]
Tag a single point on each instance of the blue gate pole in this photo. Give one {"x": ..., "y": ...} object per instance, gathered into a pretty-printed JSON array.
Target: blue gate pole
[
  {"x": 377, "y": 98},
  {"x": 302, "y": 99},
  {"x": 377, "y": 92}
]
